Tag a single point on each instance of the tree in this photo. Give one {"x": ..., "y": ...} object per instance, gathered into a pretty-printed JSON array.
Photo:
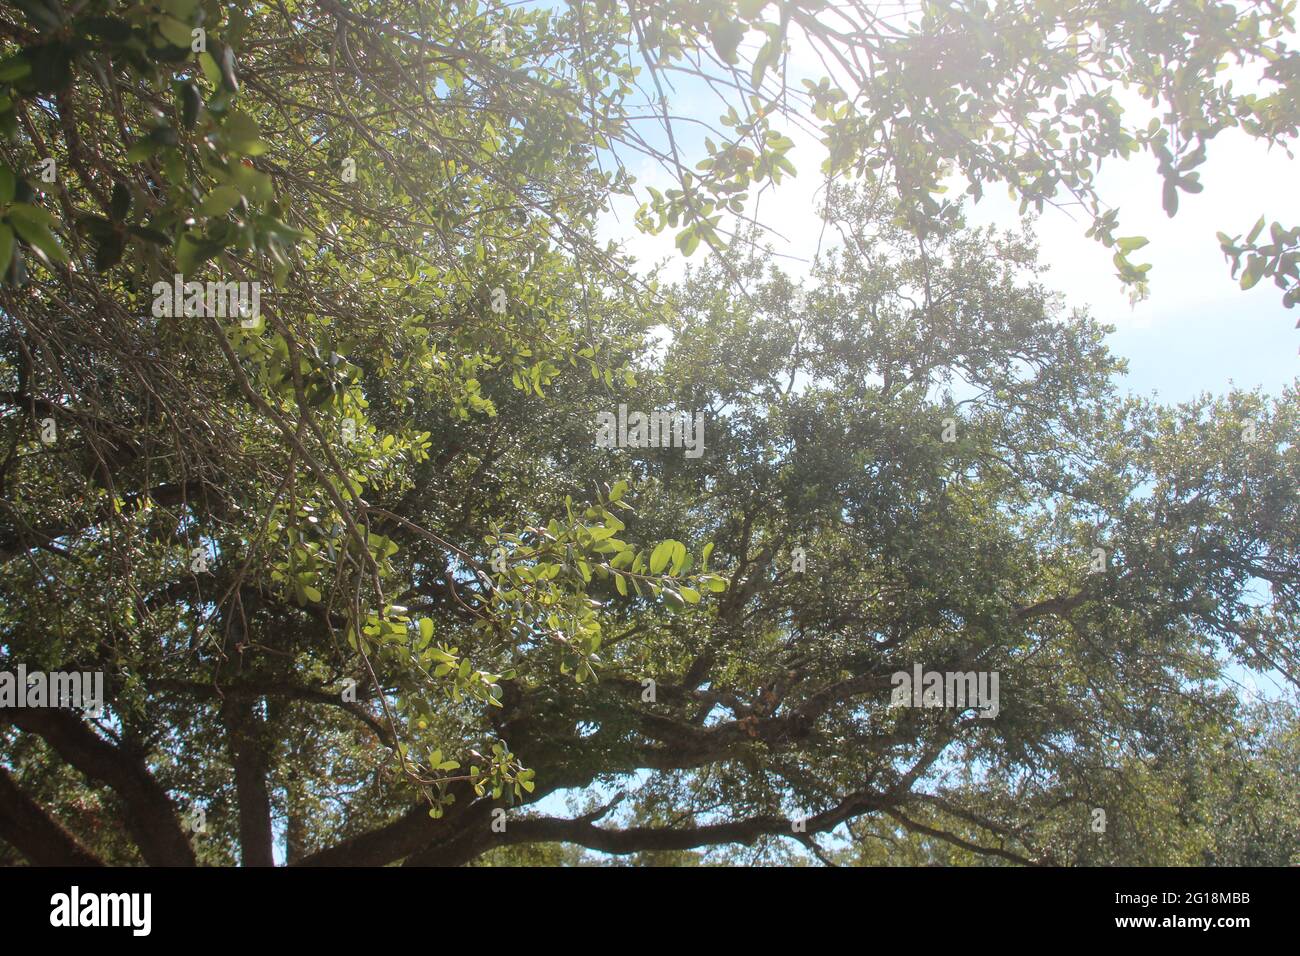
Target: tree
[{"x": 342, "y": 544}]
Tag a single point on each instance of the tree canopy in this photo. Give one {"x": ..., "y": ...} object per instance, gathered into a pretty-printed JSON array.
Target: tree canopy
[{"x": 366, "y": 589}]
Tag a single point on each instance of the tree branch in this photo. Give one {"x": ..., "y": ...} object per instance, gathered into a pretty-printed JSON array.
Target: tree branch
[
  {"x": 150, "y": 816},
  {"x": 248, "y": 757},
  {"x": 35, "y": 834}
]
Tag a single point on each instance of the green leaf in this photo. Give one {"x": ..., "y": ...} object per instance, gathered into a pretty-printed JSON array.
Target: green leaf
[
  {"x": 238, "y": 125},
  {"x": 30, "y": 213},
  {"x": 1170, "y": 197},
  {"x": 1254, "y": 271},
  {"x": 15, "y": 68},
  {"x": 174, "y": 32},
  {"x": 227, "y": 64},
  {"x": 51, "y": 66},
  {"x": 120, "y": 203},
  {"x": 108, "y": 251},
  {"x": 43, "y": 16},
  {"x": 141, "y": 150},
  {"x": 660, "y": 556},
  {"x": 192, "y": 253},
  {"x": 211, "y": 71},
  {"x": 6, "y": 246},
  {"x": 180, "y": 9},
  {"x": 679, "y": 557},
  {"x": 220, "y": 201},
  {"x": 113, "y": 29},
  {"x": 726, "y": 37},
  {"x": 252, "y": 183},
  {"x": 33, "y": 224},
  {"x": 759, "y": 67},
  {"x": 242, "y": 133},
  {"x": 149, "y": 235},
  {"x": 191, "y": 102},
  {"x": 688, "y": 240}
]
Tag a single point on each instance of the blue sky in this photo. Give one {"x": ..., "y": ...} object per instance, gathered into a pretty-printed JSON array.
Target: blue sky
[{"x": 1197, "y": 331}]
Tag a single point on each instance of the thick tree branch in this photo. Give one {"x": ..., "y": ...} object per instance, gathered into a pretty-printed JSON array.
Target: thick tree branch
[
  {"x": 955, "y": 840},
  {"x": 35, "y": 834},
  {"x": 248, "y": 757},
  {"x": 150, "y": 816}
]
